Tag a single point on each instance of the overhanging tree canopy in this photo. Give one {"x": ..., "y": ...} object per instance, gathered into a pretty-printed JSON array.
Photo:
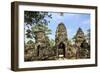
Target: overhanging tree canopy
[{"x": 35, "y": 21}]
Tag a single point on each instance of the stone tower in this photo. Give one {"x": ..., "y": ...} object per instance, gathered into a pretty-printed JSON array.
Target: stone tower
[
  {"x": 79, "y": 38},
  {"x": 61, "y": 41},
  {"x": 40, "y": 42}
]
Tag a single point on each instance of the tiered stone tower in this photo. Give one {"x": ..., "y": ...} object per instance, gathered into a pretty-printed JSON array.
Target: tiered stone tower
[
  {"x": 61, "y": 41},
  {"x": 79, "y": 38}
]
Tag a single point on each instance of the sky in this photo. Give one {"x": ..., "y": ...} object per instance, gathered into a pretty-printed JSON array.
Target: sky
[{"x": 72, "y": 21}]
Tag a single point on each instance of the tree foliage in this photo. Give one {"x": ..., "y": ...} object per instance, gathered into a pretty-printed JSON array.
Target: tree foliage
[
  {"x": 52, "y": 42},
  {"x": 88, "y": 33},
  {"x": 35, "y": 21}
]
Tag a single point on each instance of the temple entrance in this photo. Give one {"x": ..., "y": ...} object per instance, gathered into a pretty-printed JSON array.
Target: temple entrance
[{"x": 61, "y": 50}]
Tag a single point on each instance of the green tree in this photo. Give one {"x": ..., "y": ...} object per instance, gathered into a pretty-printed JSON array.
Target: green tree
[
  {"x": 35, "y": 21},
  {"x": 40, "y": 27},
  {"x": 88, "y": 33},
  {"x": 52, "y": 42},
  {"x": 88, "y": 36}
]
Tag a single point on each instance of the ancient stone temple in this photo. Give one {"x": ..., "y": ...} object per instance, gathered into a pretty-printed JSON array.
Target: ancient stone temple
[
  {"x": 61, "y": 41},
  {"x": 79, "y": 38},
  {"x": 40, "y": 49}
]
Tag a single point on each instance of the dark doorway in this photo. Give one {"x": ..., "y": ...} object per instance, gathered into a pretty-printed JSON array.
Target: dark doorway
[
  {"x": 38, "y": 48},
  {"x": 61, "y": 49}
]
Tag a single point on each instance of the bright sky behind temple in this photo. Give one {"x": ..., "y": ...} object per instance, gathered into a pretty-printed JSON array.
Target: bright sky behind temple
[{"x": 72, "y": 21}]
